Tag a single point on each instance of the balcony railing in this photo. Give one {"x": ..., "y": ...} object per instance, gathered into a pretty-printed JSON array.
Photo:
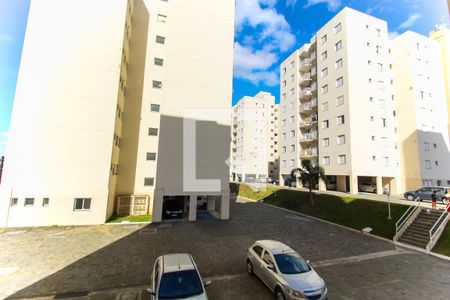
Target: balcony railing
[
  {"x": 305, "y": 93},
  {"x": 305, "y": 62},
  {"x": 309, "y": 152},
  {"x": 308, "y": 137}
]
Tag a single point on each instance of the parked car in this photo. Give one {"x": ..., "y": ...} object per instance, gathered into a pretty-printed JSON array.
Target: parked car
[
  {"x": 175, "y": 276},
  {"x": 173, "y": 207},
  {"x": 425, "y": 192},
  {"x": 284, "y": 271},
  {"x": 202, "y": 202},
  {"x": 368, "y": 187}
]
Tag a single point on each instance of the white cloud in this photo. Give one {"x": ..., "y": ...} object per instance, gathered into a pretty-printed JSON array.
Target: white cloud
[
  {"x": 393, "y": 34},
  {"x": 332, "y": 5},
  {"x": 412, "y": 19},
  {"x": 3, "y": 134},
  {"x": 5, "y": 38},
  {"x": 255, "y": 55}
]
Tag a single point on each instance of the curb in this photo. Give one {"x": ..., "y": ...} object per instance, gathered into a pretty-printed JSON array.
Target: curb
[
  {"x": 417, "y": 249},
  {"x": 127, "y": 223}
]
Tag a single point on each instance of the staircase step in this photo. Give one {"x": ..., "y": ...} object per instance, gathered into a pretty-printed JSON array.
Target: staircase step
[
  {"x": 417, "y": 232},
  {"x": 415, "y": 239},
  {"x": 413, "y": 243},
  {"x": 420, "y": 226}
]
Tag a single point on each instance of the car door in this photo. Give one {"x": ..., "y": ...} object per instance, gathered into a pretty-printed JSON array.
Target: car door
[
  {"x": 255, "y": 259},
  {"x": 268, "y": 275},
  {"x": 155, "y": 278},
  {"x": 425, "y": 193}
]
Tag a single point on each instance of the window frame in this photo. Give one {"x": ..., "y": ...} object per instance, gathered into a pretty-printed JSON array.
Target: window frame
[{"x": 83, "y": 206}]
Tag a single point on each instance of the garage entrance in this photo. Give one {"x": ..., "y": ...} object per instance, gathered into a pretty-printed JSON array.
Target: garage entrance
[{"x": 175, "y": 207}]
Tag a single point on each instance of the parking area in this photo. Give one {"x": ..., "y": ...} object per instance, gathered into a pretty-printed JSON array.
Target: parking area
[{"x": 114, "y": 262}]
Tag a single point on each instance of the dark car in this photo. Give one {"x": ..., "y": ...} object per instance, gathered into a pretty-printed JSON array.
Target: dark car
[
  {"x": 173, "y": 207},
  {"x": 424, "y": 193}
]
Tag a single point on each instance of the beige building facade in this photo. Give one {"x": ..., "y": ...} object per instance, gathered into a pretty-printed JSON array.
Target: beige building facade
[
  {"x": 337, "y": 105},
  {"x": 422, "y": 111},
  {"x": 254, "y": 141},
  {"x": 131, "y": 100}
]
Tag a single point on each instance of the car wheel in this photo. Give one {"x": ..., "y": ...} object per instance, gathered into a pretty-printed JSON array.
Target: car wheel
[
  {"x": 410, "y": 197},
  {"x": 279, "y": 294},
  {"x": 249, "y": 267}
]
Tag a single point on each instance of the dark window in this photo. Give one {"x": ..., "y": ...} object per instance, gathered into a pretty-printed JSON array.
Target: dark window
[
  {"x": 160, "y": 39},
  {"x": 149, "y": 181},
  {"x": 45, "y": 201},
  {"x": 82, "y": 204},
  {"x": 29, "y": 201},
  {"x": 178, "y": 285},
  {"x": 291, "y": 264},
  {"x": 158, "y": 61},
  {"x": 258, "y": 250},
  {"x": 157, "y": 84},
  {"x": 14, "y": 201},
  {"x": 151, "y": 156},
  {"x": 154, "y": 107},
  {"x": 153, "y": 131}
]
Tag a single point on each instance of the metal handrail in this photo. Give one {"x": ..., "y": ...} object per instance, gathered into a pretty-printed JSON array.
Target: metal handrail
[
  {"x": 432, "y": 235},
  {"x": 403, "y": 220}
]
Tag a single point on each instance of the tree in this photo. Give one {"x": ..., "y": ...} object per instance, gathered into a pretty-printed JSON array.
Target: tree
[{"x": 309, "y": 175}]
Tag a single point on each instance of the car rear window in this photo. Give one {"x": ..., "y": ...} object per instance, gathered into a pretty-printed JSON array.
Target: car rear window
[{"x": 182, "y": 284}]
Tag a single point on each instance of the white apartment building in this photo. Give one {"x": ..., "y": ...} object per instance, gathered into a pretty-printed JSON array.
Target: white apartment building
[
  {"x": 422, "y": 111},
  {"x": 337, "y": 104},
  {"x": 119, "y": 98},
  {"x": 254, "y": 146}
]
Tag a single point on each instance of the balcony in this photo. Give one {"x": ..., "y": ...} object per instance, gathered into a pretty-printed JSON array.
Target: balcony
[
  {"x": 308, "y": 122},
  {"x": 313, "y": 72},
  {"x": 305, "y": 94},
  {"x": 309, "y": 153},
  {"x": 305, "y": 65},
  {"x": 308, "y": 137},
  {"x": 313, "y": 56},
  {"x": 305, "y": 79},
  {"x": 308, "y": 107}
]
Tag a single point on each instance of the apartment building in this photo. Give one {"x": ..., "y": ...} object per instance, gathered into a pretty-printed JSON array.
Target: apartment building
[
  {"x": 130, "y": 100},
  {"x": 254, "y": 138},
  {"x": 442, "y": 34},
  {"x": 422, "y": 111},
  {"x": 337, "y": 104}
]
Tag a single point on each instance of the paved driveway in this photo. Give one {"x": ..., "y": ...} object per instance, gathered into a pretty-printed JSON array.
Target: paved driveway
[{"x": 115, "y": 261}]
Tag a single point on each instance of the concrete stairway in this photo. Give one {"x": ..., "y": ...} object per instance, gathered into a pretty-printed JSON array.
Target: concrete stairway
[{"x": 417, "y": 234}]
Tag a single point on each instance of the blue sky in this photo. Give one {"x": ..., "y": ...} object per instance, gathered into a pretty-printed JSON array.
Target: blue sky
[{"x": 266, "y": 32}]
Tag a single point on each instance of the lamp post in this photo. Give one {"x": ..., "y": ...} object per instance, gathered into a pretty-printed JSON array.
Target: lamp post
[{"x": 389, "y": 204}]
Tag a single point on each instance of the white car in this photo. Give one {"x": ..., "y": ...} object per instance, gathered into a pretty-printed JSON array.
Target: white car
[
  {"x": 175, "y": 276},
  {"x": 284, "y": 272},
  {"x": 368, "y": 187}
]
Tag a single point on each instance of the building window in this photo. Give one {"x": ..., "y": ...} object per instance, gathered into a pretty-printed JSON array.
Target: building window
[
  {"x": 153, "y": 131},
  {"x": 436, "y": 163},
  {"x": 326, "y": 142},
  {"x": 151, "y": 156},
  {"x": 283, "y": 135},
  {"x": 14, "y": 201},
  {"x": 373, "y": 138},
  {"x": 374, "y": 158},
  {"x": 426, "y": 146},
  {"x": 283, "y": 149},
  {"x": 161, "y": 18},
  {"x": 324, "y": 72},
  {"x": 292, "y": 133},
  {"x": 325, "y": 124},
  {"x": 291, "y": 119},
  {"x": 323, "y": 39},
  {"x": 435, "y": 146},
  {"x": 284, "y": 82},
  {"x": 386, "y": 161},
  {"x": 324, "y": 55},
  {"x": 160, "y": 39},
  {"x": 339, "y": 100},
  {"x": 292, "y": 64},
  {"x": 291, "y": 105},
  {"x": 340, "y": 120},
  {"x": 158, "y": 61},
  {"x": 428, "y": 164},
  {"x": 292, "y": 162},
  {"x": 338, "y": 46},
  {"x": 341, "y": 139},
  {"x": 45, "y": 202},
  {"x": 326, "y": 160},
  {"x": 339, "y": 81},
  {"x": 283, "y": 122},
  {"x": 157, "y": 84},
  {"x": 337, "y": 28},
  {"x": 82, "y": 204},
  {"x": 325, "y": 106},
  {"x": 149, "y": 181},
  {"x": 324, "y": 89},
  {"x": 342, "y": 160},
  {"x": 383, "y": 122},
  {"x": 292, "y": 91},
  {"x": 284, "y": 71},
  {"x": 292, "y": 77},
  {"x": 154, "y": 107},
  {"x": 29, "y": 202},
  {"x": 380, "y": 67},
  {"x": 283, "y": 163},
  {"x": 292, "y": 148},
  {"x": 284, "y": 97},
  {"x": 384, "y": 141},
  {"x": 339, "y": 63}
]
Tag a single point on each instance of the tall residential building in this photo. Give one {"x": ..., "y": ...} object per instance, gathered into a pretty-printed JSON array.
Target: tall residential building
[
  {"x": 119, "y": 98},
  {"x": 422, "y": 111},
  {"x": 337, "y": 104},
  {"x": 442, "y": 35},
  {"x": 254, "y": 146}
]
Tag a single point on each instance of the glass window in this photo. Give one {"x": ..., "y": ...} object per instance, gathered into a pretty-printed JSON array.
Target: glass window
[
  {"x": 324, "y": 89},
  {"x": 158, "y": 61},
  {"x": 14, "y": 201},
  {"x": 324, "y": 72},
  {"x": 154, "y": 107},
  {"x": 29, "y": 201},
  {"x": 426, "y": 146},
  {"x": 160, "y": 39},
  {"x": 339, "y": 81},
  {"x": 292, "y": 148},
  {"x": 337, "y": 28},
  {"x": 161, "y": 18},
  {"x": 341, "y": 139},
  {"x": 326, "y": 142},
  {"x": 258, "y": 250},
  {"x": 325, "y": 124},
  {"x": 339, "y": 63},
  {"x": 323, "y": 39},
  {"x": 267, "y": 258},
  {"x": 338, "y": 46},
  {"x": 151, "y": 156},
  {"x": 324, "y": 55},
  {"x": 45, "y": 202},
  {"x": 326, "y": 160},
  {"x": 179, "y": 285},
  {"x": 292, "y": 91},
  {"x": 339, "y": 100},
  {"x": 340, "y": 120},
  {"x": 149, "y": 181},
  {"x": 82, "y": 204},
  {"x": 342, "y": 160},
  {"x": 153, "y": 131},
  {"x": 157, "y": 84},
  {"x": 428, "y": 164},
  {"x": 291, "y": 264},
  {"x": 325, "y": 106}
]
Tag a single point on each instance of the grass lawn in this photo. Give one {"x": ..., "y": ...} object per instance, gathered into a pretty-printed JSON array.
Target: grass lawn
[
  {"x": 443, "y": 245},
  {"x": 348, "y": 211},
  {"x": 141, "y": 218}
]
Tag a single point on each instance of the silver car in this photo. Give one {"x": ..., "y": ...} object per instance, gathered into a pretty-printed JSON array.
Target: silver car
[
  {"x": 285, "y": 272},
  {"x": 175, "y": 276}
]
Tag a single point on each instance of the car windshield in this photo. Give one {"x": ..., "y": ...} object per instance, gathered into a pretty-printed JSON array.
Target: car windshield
[
  {"x": 182, "y": 284},
  {"x": 291, "y": 264}
]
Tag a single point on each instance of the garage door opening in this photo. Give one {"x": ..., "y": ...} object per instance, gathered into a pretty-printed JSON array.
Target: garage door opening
[{"x": 175, "y": 207}]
